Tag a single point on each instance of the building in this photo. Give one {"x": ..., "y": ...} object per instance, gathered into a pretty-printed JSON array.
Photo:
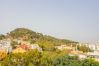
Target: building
[
  {"x": 63, "y": 47},
  {"x": 80, "y": 54},
  {"x": 6, "y": 45},
  {"x": 92, "y": 47},
  {"x": 36, "y": 46},
  {"x": 94, "y": 54},
  {"x": 19, "y": 50},
  {"x": 24, "y": 46},
  {"x": 84, "y": 44},
  {"x": 97, "y": 47}
]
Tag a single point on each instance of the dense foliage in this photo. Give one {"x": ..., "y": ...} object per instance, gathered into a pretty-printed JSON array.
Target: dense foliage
[
  {"x": 35, "y": 58},
  {"x": 83, "y": 48},
  {"x": 2, "y": 36}
]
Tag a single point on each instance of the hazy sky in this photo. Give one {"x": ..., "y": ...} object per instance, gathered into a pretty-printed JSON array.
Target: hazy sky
[{"x": 70, "y": 19}]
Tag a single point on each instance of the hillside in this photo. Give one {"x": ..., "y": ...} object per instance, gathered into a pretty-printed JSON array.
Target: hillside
[{"x": 35, "y": 37}]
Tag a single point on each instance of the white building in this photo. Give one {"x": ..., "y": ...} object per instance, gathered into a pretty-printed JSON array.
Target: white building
[
  {"x": 6, "y": 45},
  {"x": 94, "y": 54},
  {"x": 97, "y": 47},
  {"x": 92, "y": 47},
  {"x": 36, "y": 46},
  {"x": 63, "y": 47},
  {"x": 82, "y": 56}
]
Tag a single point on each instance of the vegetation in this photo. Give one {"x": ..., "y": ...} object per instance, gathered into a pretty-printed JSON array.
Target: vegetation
[
  {"x": 2, "y": 55},
  {"x": 2, "y": 36},
  {"x": 83, "y": 48},
  {"x": 13, "y": 44},
  {"x": 47, "y": 58},
  {"x": 50, "y": 55},
  {"x": 47, "y": 43},
  {"x": 32, "y": 36}
]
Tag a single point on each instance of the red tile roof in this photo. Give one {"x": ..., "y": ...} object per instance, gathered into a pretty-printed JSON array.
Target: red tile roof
[{"x": 24, "y": 46}]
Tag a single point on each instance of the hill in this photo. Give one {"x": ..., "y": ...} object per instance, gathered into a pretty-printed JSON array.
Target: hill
[{"x": 35, "y": 37}]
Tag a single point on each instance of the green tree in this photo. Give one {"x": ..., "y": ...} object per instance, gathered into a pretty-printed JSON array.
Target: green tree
[
  {"x": 2, "y": 36},
  {"x": 14, "y": 44},
  {"x": 83, "y": 48}
]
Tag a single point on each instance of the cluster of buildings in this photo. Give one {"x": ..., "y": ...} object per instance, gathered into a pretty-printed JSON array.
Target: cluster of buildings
[
  {"x": 23, "y": 46},
  {"x": 5, "y": 45},
  {"x": 94, "y": 47},
  {"x": 74, "y": 52}
]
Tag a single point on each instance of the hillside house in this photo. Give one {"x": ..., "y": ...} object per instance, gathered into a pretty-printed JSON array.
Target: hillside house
[
  {"x": 18, "y": 50},
  {"x": 36, "y": 46},
  {"x": 80, "y": 54},
  {"x": 24, "y": 46},
  {"x": 63, "y": 47},
  {"x": 6, "y": 45}
]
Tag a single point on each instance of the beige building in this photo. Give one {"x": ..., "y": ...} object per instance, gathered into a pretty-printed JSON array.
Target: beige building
[
  {"x": 18, "y": 50},
  {"x": 63, "y": 47}
]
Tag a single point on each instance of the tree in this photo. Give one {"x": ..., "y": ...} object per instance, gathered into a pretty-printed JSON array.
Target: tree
[
  {"x": 2, "y": 36},
  {"x": 83, "y": 48},
  {"x": 90, "y": 62},
  {"x": 14, "y": 44},
  {"x": 31, "y": 58},
  {"x": 3, "y": 54}
]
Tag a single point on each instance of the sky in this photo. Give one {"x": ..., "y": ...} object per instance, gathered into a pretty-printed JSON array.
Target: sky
[{"x": 69, "y": 19}]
